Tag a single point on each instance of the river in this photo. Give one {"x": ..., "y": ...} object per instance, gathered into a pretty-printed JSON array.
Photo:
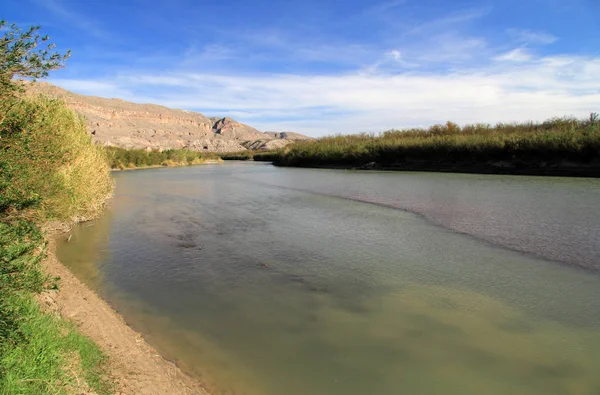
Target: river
[{"x": 266, "y": 280}]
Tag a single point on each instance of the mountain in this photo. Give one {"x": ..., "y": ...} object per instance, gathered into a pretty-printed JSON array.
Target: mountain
[{"x": 130, "y": 125}]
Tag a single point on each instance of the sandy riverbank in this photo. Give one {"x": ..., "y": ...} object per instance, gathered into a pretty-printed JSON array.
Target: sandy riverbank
[{"x": 134, "y": 366}]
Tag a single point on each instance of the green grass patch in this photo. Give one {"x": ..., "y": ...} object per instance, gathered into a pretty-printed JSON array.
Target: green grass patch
[{"x": 43, "y": 354}]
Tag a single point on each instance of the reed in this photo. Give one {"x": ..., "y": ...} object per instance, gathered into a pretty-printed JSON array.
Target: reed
[{"x": 517, "y": 144}]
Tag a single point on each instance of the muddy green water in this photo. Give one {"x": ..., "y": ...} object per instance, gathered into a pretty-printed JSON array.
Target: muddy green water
[{"x": 264, "y": 280}]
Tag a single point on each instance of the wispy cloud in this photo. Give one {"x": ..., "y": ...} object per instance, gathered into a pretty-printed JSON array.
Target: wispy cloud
[
  {"x": 442, "y": 41},
  {"x": 322, "y": 68},
  {"x": 391, "y": 61},
  {"x": 516, "y": 55},
  {"x": 531, "y": 37},
  {"x": 449, "y": 22},
  {"x": 449, "y": 47},
  {"x": 536, "y": 88},
  {"x": 385, "y": 6},
  {"x": 75, "y": 19},
  {"x": 109, "y": 89}
]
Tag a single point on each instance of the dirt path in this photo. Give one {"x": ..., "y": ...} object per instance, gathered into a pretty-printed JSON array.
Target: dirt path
[{"x": 135, "y": 366}]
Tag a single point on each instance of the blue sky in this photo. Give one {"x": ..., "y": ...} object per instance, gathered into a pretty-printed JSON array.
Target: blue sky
[{"x": 323, "y": 67}]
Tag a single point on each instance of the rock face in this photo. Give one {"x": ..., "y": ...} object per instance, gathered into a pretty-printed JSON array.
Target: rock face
[
  {"x": 265, "y": 145},
  {"x": 129, "y": 125},
  {"x": 230, "y": 129},
  {"x": 288, "y": 136}
]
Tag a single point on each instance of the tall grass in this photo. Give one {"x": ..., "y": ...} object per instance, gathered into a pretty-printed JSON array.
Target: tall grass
[
  {"x": 120, "y": 158},
  {"x": 519, "y": 144},
  {"x": 49, "y": 170}
]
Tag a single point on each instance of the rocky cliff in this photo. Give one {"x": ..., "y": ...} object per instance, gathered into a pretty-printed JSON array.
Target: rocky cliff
[{"x": 131, "y": 125}]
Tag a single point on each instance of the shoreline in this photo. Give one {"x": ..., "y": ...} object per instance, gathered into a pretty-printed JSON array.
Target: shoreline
[
  {"x": 505, "y": 169},
  {"x": 133, "y": 365},
  {"x": 207, "y": 162}
]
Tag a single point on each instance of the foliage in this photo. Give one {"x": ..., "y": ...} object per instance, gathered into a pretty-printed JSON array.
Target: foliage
[
  {"x": 267, "y": 156},
  {"x": 25, "y": 54},
  {"x": 555, "y": 140},
  {"x": 241, "y": 155},
  {"x": 121, "y": 158},
  {"x": 42, "y": 354},
  {"x": 264, "y": 156},
  {"x": 38, "y": 352},
  {"x": 49, "y": 170}
]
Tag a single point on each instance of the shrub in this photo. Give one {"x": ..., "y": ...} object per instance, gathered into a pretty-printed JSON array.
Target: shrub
[
  {"x": 554, "y": 140},
  {"x": 50, "y": 170},
  {"x": 143, "y": 158},
  {"x": 50, "y": 165}
]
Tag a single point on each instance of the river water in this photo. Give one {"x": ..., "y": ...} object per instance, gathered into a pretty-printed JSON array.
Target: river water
[{"x": 282, "y": 281}]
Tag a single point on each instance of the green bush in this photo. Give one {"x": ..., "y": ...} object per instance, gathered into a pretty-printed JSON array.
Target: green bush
[
  {"x": 49, "y": 170},
  {"x": 555, "y": 140},
  {"x": 120, "y": 158},
  {"x": 242, "y": 155},
  {"x": 263, "y": 156}
]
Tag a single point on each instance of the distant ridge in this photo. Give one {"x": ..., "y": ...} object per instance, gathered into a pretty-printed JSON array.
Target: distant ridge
[{"x": 116, "y": 122}]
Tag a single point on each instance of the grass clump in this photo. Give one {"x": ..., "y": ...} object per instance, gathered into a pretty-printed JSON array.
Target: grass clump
[
  {"x": 49, "y": 171},
  {"x": 42, "y": 354},
  {"x": 519, "y": 144},
  {"x": 121, "y": 158}
]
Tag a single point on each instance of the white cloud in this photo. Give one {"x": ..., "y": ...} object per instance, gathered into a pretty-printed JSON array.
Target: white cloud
[
  {"x": 449, "y": 47},
  {"x": 73, "y": 18},
  {"x": 391, "y": 61},
  {"x": 95, "y": 88},
  {"x": 394, "y": 54},
  {"x": 531, "y": 89},
  {"x": 532, "y": 37},
  {"x": 516, "y": 55}
]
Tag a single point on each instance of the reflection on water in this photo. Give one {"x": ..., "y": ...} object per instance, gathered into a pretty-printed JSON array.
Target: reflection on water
[
  {"x": 260, "y": 282},
  {"x": 86, "y": 256}
]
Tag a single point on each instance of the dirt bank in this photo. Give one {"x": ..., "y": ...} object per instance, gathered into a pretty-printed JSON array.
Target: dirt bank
[{"x": 135, "y": 367}]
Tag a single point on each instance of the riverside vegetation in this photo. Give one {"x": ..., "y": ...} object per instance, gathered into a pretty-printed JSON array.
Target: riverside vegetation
[
  {"x": 559, "y": 142},
  {"x": 263, "y": 156},
  {"x": 121, "y": 158},
  {"x": 50, "y": 172}
]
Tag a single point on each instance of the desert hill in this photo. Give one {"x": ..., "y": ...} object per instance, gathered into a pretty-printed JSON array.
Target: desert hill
[{"x": 130, "y": 125}]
